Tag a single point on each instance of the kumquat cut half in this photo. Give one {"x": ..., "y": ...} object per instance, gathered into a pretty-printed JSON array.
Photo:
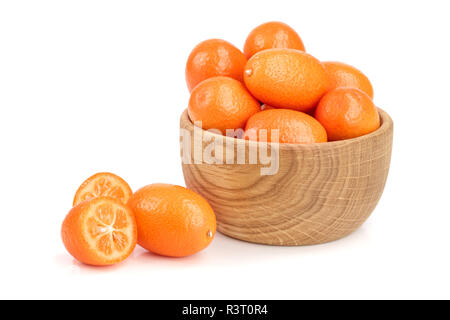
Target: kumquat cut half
[
  {"x": 100, "y": 232},
  {"x": 103, "y": 184}
]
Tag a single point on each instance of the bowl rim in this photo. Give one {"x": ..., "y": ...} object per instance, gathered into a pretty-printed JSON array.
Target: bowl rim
[{"x": 385, "y": 126}]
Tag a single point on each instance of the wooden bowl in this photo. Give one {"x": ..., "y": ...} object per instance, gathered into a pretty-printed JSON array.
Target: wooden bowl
[{"x": 320, "y": 193}]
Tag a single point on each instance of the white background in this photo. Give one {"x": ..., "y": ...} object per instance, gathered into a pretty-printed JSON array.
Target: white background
[{"x": 88, "y": 86}]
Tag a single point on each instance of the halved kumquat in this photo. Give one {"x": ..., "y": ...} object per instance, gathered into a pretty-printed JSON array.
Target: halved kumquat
[
  {"x": 103, "y": 184},
  {"x": 100, "y": 232}
]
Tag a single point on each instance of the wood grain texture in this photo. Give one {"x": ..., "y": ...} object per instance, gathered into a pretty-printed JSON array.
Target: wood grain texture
[{"x": 321, "y": 192}]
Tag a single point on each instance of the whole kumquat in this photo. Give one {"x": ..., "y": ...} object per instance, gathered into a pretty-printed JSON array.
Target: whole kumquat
[
  {"x": 222, "y": 103},
  {"x": 347, "y": 113},
  {"x": 286, "y": 78},
  {"x": 211, "y": 58},
  {"x": 343, "y": 75},
  {"x": 172, "y": 220},
  {"x": 291, "y": 127},
  {"x": 271, "y": 35}
]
